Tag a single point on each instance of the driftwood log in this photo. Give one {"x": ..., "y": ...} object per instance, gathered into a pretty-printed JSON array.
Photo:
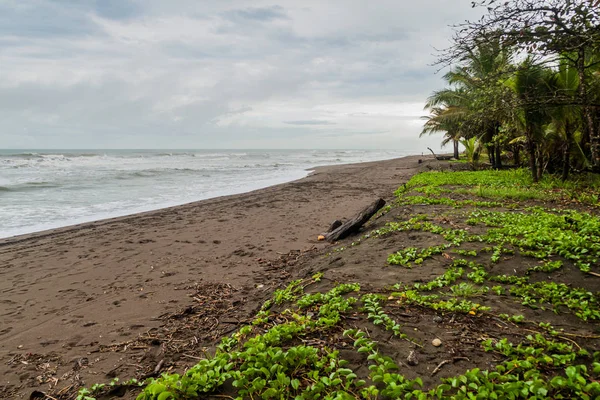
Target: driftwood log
[
  {"x": 354, "y": 224},
  {"x": 334, "y": 225},
  {"x": 440, "y": 158}
]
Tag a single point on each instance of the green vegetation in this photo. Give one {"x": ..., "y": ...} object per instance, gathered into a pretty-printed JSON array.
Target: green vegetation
[
  {"x": 258, "y": 363},
  {"x": 450, "y": 276},
  {"x": 434, "y": 302},
  {"x": 259, "y": 366},
  {"x": 571, "y": 234},
  {"x": 537, "y": 110},
  {"x": 584, "y": 304},
  {"x": 289, "y": 293},
  {"x": 535, "y": 232},
  {"x": 466, "y": 290},
  {"x": 498, "y": 185},
  {"x": 517, "y": 319},
  {"x": 376, "y": 315},
  {"x": 412, "y": 255},
  {"x": 548, "y": 266}
]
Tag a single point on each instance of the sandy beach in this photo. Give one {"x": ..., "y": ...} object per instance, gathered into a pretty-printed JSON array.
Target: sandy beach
[{"x": 68, "y": 292}]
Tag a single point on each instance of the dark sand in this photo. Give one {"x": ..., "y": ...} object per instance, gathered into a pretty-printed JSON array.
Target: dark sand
[{"x": 68, "y": 293}]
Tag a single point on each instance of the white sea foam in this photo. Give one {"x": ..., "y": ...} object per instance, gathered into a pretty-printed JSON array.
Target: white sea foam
[{"x": 48, "y": 189}]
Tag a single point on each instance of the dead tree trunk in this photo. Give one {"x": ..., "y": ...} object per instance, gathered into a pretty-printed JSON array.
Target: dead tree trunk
[
  {"x": 354, "y": 224},
  {"x": 434, "y": 156},
  {"x": 440, "y": 158}
]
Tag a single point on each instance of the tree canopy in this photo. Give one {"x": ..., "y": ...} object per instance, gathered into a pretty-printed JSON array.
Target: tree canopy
[{"x": 526, "y": 75}]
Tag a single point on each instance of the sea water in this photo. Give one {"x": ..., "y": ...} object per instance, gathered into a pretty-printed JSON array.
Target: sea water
[{"x": 45, "y": 189}]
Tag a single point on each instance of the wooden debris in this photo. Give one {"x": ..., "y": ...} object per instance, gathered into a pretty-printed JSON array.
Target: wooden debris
[
  {"x": 440, "y": 365},
  {"x": 334, "y": 225},
  {"x": 440, "y": 158},
  {"x": 353, "y": 225}
]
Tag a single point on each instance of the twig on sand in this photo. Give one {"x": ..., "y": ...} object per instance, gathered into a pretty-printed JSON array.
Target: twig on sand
[
  {"x": 37, "y": 395},
  {"x": 580, "y": 336},
  {"x": 561, "y": 337},
  {"x": 156, "y": 369},
  {"x": 159, "y": 366},
  {"x": 440, "y": 365},
  {"x": 192, "y": 357},
  {"x": 572, "y": 341}
]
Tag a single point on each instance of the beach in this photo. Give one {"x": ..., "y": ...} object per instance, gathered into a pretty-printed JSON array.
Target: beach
[{"x": 68, "y": 292}]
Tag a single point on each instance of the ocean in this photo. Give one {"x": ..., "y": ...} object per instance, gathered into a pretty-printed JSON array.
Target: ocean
[{"x": 45, "y": 189}]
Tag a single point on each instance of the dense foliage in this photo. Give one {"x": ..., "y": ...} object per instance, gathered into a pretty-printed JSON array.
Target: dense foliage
[{"x": 524, "y": 81}]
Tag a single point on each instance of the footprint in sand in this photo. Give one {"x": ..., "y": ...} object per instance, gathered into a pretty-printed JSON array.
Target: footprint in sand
[{"x": 4, "y": 331}]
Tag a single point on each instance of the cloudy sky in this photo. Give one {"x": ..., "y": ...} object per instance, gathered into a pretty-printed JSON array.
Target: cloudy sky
[{"x": 219, "y": 74}]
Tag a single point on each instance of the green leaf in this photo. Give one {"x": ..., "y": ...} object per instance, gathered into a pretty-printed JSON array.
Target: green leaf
[
  {"x": 157, "y": 388},
  {"x": 165, "y": 396},
  {"x": 270, "y": 393},
  {"x": 295, "y": 383}
]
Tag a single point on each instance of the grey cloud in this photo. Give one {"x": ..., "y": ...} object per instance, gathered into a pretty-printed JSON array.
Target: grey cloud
[
  {"x": 257, "y": 13},
  {"x": 118, "y": 9},
  {"x": 309, "y": 122},
  {"x": 240, "y": 110},
  {"x": 43, "y": 20},
  {"x": 125, "y": 73},
  {"x": 341, "y": 133}
]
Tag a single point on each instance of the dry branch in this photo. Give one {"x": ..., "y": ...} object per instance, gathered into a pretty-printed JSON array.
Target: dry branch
[{"x": 354, "y": 224}]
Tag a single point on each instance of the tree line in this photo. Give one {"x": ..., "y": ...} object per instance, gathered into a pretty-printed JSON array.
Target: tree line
[{"x": 524, "y": 82}]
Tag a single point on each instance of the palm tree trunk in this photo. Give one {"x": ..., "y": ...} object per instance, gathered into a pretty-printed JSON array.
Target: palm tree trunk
[
  {"x": 517, "y": 155},
  {"x": 455, "y": 143},
  {"x": 490, "y": 151},
  {"x": 587, "y": 111},
  {"x": 567, "y": 152},
  {"x": 498, "y": 156},
  {"x": 532, "y": 162},
  {"x": 540, "y": 166}
]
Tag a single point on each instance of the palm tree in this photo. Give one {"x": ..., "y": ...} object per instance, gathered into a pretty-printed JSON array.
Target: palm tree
[
  {"x": 565, "y": 118},
  {"x": 447, "y": 109},
  {"x": 531, "y": 83},
  {"x": 472, "y": 150},
  {"x": 481, "y": 77}
]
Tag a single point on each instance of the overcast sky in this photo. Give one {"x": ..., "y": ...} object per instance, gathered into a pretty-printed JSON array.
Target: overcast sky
[{"x": 220, "y": 74}]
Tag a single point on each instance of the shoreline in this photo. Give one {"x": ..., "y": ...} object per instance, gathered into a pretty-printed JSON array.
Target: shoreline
[
  {"x": 98, "y": 221},
  {"x": 15, "y": 238},
  {"x": 74, "y": 290}
]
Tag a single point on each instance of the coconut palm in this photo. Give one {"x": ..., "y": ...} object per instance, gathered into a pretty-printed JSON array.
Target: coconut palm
[
  {"x": 531, "y": 83},
  {"x": 480, "y": 78},
  {"x": 566, "y": 117},
  {"x": 447, "y": 110},
  {"x": 472, "y": 150}
]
